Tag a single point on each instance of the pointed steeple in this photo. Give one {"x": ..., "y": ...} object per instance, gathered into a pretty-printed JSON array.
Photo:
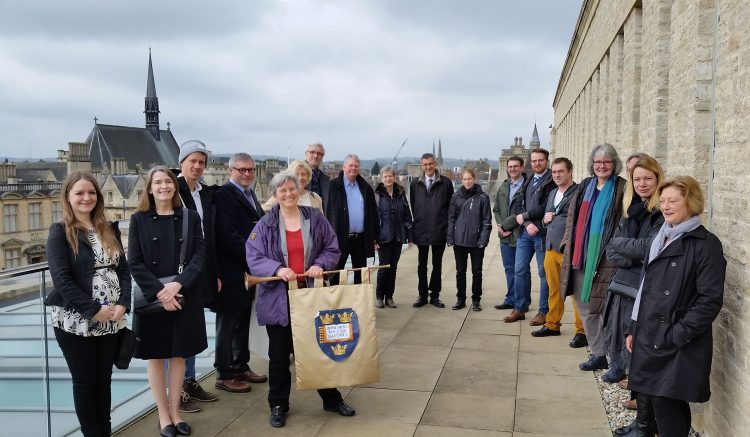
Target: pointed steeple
[
  {"x": 433, "y": 147},
  {"x": 440, "y": 154},
  {"x": 535, "y": 143},
  {"x": 152, "y": 103}
]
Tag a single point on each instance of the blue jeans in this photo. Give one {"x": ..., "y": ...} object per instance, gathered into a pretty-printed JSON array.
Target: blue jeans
[
  {"x": 189, "y": 367},
  {"x": 526, "y": 247},
  {"x": 508, "y": 254}
]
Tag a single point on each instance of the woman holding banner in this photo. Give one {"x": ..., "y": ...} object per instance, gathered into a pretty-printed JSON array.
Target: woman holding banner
[{"x": 290, "y": 240}]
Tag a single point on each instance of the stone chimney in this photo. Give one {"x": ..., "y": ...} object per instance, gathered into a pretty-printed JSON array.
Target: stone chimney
[
  {"x": 62, "y": 155},
  {"x": 119, "y": 166},
  {"x": 78, "y": 157},
  {"x": 8, "y": 173}
]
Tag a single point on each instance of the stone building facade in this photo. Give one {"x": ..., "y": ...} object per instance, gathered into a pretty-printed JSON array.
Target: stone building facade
[{"x": 672, "y": 79}]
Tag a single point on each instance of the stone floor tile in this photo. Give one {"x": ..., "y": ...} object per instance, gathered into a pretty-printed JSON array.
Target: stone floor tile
[
  {"x": 574, "y": 418},
  {"x": 470, "y": 411},
  {"x": 357, "y": 426},
  {"x": 415, "y": 355},
  {"x": 400, "y": 406},
  {"x": 426, "y": 336},
  {"x": 543, "y": 387},
  {"x": 480, "y": 326},
  {"x": 444, "y": 431},
  {"x": 254, "y": 422},
  {"x": 505, "y": 362},
  {"x": 551, "y": 363},
  {"x": 480, "y": 382},
  {"x": 403, "y": 377},
  {"x": 487, "y": 342}
]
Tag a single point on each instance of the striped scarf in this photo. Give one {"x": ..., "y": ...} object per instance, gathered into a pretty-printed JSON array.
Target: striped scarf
[{"x": 589, "y": 229}]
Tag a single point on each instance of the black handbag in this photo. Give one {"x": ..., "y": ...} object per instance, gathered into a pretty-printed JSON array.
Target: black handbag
[
  {"x": 125, "y": 348},
  {"x": 625, "y": 283},
  {"x": 140, "y": 304}
]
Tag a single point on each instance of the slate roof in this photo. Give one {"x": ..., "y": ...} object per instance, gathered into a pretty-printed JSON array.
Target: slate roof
[
  {"x": 135, "y": 144},
  {"x": 125, "y": 183},
  {"x": 36, "y": 171}
]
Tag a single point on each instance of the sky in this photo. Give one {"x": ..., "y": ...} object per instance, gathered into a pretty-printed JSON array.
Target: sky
[{"x": 270, "y": 76}]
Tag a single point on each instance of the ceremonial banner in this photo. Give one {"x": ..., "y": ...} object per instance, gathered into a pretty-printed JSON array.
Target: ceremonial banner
[{"x": 335, "y": 343}]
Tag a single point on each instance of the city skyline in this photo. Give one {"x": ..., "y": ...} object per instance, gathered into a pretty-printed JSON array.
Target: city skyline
[{"x": 276, "y": 75}]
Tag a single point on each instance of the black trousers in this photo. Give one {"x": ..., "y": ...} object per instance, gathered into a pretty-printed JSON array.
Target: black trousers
[
  {"x": 356, "y": 248},
  {"x": 672, "y": 416},
  {"x": 461, "y": 253},
  {"x": 435, "y": 284},
  {"x": 232, "y": 339},
  {"x": 279, "y": 375},
  {"x": 389, "y": 253},
  {"x": 90, "y": 361}
]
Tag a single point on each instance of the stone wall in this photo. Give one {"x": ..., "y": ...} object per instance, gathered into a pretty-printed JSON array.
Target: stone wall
[{"x": 672, "y": 78}]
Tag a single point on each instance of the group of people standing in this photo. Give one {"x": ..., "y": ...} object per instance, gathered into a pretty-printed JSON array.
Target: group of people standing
[
  {"x": 646, "y": 277},
  {"x": 642, "y": 234}
]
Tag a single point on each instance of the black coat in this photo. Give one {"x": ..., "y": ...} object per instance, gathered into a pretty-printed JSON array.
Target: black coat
[
  {"x": 73, "y": 276},
  {"x": 325, "y": 186},
  {"x": 207, "y": 282},
  {"x": 430, "y": 209},
  {"x": 682, "y": 294},
  {"x": 235, "y": 220},
  {"x": 337, "y": 213},
  {"x": 469, "y": 219},
  {"x": 153, "y": 253},
  {"x": 394, "y": 213},
  {"x": 532, "y": 212}
]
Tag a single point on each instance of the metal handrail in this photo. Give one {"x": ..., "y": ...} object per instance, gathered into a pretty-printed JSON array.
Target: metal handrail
[{"x": 24, "y": 270}]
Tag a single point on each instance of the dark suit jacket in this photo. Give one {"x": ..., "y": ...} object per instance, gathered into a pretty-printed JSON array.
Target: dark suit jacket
[
  {"x": 235, "y": 219},
  {"x": 206, "y": 283},
  {"x": 325, "y": 186}
]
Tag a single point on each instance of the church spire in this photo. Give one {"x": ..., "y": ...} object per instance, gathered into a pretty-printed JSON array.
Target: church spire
[
  {"x": 152, "y": 103},
  {"x": 535, "y": 143},
  {"x": 440, "y": 153}
]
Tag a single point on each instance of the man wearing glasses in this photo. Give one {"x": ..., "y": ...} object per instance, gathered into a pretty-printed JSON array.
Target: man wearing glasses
[
  {"x": 319, "y": 181},
  {"x": 529, "y": 214},
  {"x": 237, "y": 213}
]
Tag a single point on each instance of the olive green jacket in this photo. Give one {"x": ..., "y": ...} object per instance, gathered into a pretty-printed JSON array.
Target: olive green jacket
[{"x": 503, "y": 209}]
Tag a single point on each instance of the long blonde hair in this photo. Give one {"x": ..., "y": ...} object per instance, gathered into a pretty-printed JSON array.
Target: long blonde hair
[
  {"x": 73, "y": 226},
  {"x": 645, "y": 162}
]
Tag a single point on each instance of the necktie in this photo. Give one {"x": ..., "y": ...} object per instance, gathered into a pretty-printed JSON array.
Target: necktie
[
  {"x": 535, "y": 181},
  {"x": 250, "y": 195},
  {"x": 315, "y": 182},
  {"x": 429, "y": 184}
]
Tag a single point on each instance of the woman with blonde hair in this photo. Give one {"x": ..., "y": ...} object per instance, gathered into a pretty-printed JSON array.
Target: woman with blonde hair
[
  {"x": 306, "y": 197},
  {"x": 680, "y": 295},
  {"x": 90, "y": 297},
  {"x": 154, "y": 247}
]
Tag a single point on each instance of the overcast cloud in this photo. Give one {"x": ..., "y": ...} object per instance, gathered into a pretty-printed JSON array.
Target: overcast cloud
[{"x": 261, "y": 76}]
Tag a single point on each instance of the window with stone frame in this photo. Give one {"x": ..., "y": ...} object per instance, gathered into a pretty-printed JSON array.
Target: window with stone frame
[
  {"x": 56, "y": 212},
  {"x": 35, "y": 215},
  {"x": 12, "y": 258},
  {"x": 10, "y": 216}
]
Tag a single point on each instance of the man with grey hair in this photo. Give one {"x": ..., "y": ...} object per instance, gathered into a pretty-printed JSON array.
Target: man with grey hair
[
  {"x": 237, "y": 213},
  {"x": 319, "y": 181},
  {"x": 353, "y": 214}
]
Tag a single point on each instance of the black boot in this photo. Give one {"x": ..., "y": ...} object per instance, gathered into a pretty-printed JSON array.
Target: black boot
[{"x": 644, "y": 424}]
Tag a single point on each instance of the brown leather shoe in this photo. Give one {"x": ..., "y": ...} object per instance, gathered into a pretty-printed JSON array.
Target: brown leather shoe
[
  {"x": 630, "y": 405},
  {"x": 623, "y": 384},
  {"x": 233, "y": 385},
  {"x": 250, "y": 376},
  {"x": 538, "y": 320},
  {"x": 514, "y": 316}
]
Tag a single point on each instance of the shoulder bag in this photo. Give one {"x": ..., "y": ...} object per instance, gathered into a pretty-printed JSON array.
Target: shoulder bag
[{"x": 143, "y": 306}]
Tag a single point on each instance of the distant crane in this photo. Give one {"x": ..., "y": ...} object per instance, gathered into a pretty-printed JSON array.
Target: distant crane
[{"x": 394, "y": 162}]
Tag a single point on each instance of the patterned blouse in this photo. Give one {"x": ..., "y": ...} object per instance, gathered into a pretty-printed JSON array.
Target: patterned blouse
[{"x": 106, "y": 289}]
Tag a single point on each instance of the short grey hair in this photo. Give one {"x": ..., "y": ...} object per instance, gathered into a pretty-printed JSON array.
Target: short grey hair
[
  {"x": 240, "y": 157},
  {"x": 280, "y": 179},
  {"x": 316, "y": 145},
  {"x": 352, "y": 156},
  {"x": 388, "y": 169},
  {"x": 609, "y": 151}
]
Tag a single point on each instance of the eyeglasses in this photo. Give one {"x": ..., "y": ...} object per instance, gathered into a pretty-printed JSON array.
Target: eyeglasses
[
  {"x": 603, "y": 163},
  {"x": 249, "y": 170},
  {"x": 315, "y": 153}
]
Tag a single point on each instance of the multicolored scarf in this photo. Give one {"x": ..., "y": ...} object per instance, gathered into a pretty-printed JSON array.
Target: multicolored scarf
[{"x": 589, "y": 229}]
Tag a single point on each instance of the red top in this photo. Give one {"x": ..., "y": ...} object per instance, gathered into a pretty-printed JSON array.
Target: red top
[{"x": 296, "y": 250}]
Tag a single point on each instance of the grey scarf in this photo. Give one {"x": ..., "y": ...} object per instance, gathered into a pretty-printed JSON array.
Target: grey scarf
[{"x": 667, "y": 234}]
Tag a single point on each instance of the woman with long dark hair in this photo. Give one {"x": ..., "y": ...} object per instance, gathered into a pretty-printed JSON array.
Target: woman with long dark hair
[
  {"x": 90, "y": 298},
  {"x": 154, "y": 252}
]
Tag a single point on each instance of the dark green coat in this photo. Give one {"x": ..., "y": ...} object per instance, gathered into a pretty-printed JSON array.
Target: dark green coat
[{"x": 502, "y": 209}]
